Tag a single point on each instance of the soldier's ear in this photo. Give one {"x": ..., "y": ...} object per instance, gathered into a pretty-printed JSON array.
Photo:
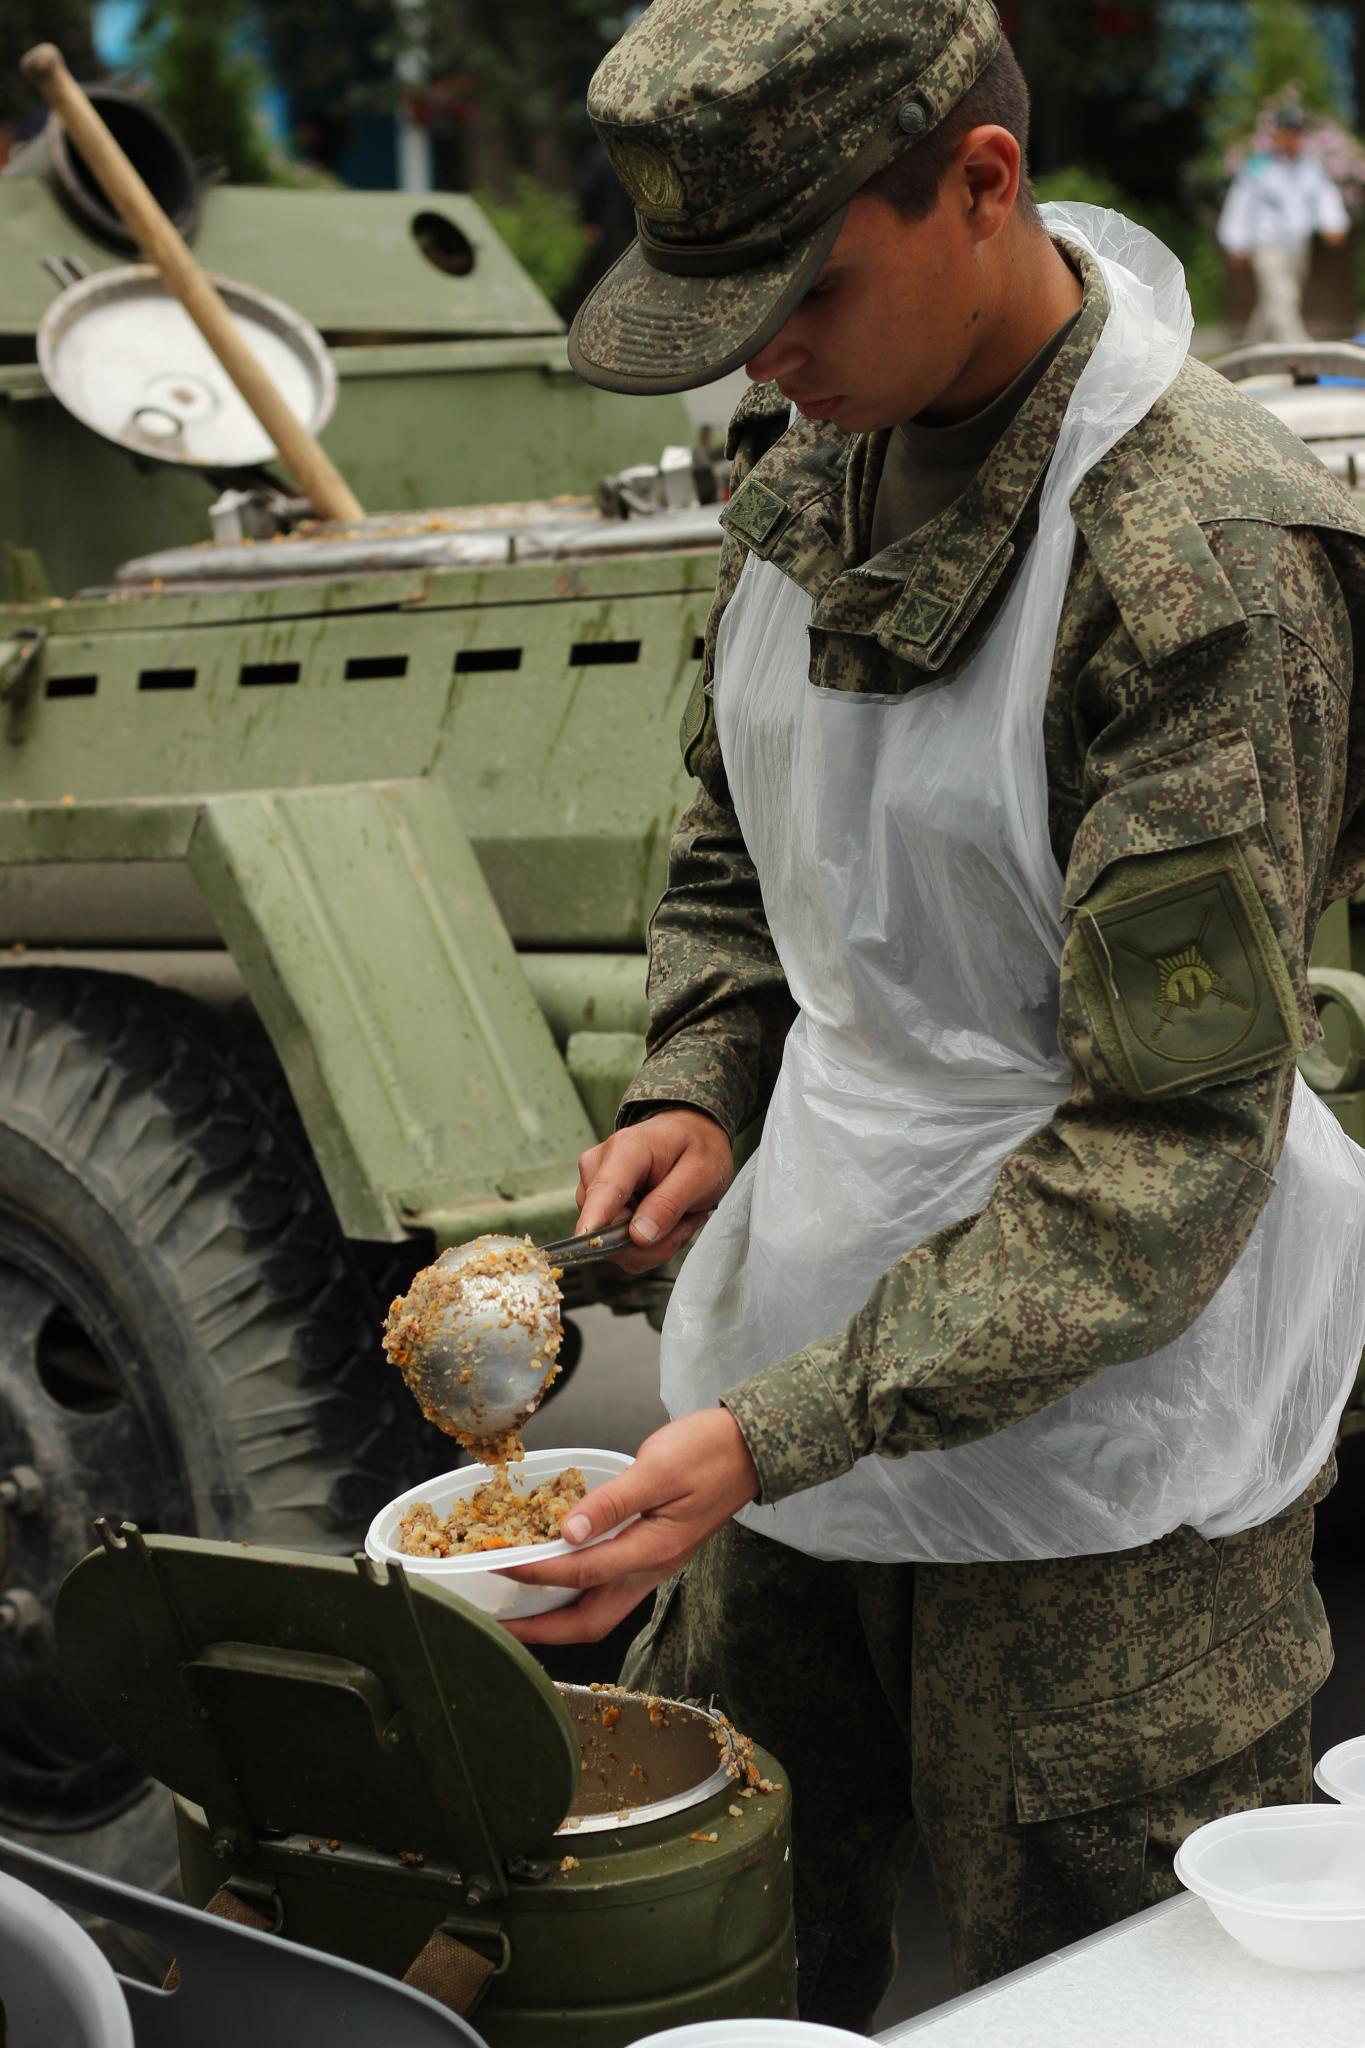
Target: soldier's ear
[{"x": 984, "y": 174}]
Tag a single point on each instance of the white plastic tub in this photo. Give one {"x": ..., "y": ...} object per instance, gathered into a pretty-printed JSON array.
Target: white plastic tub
[
  {"x": 1287, "y": 1882},
  {"x": 754, "y": 2034},
  {"x": 476, "y": 1578},
  {"x": 1341, "y": 1773}
]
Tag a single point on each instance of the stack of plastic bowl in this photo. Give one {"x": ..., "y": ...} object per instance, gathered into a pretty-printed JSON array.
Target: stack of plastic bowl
[
  {"x": 1287, "y": 1882},
  {"x": 477, "y": 1578},
  {"x": 1341, "y": 1774}
]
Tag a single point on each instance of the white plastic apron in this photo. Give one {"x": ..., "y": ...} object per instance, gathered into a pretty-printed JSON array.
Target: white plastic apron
[{"x": 913, "y": 896}]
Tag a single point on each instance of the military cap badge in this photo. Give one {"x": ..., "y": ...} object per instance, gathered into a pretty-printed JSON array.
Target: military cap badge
[{"x": 650, "y": 178}]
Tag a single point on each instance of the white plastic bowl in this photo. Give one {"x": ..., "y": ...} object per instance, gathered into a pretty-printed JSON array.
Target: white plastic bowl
[
  {"x": 1287, "y": 1882},
  {"x": 754, "y": 2034},
  {"x": 1341, "y": 1772},
  {"x": 475, "y": 1578}
]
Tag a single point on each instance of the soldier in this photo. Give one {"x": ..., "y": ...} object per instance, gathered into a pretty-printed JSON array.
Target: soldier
[{"x": 1005, "y": 1372}]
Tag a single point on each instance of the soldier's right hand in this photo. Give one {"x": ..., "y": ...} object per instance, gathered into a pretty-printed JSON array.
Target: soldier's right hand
[{"x": 671, "y": 1169}]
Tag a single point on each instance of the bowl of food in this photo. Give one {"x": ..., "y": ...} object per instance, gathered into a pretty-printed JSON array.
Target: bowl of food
[
  {"x": 1287, "y": 1882},
  {"x": 1341, "y": 1772},
  {"x": 464, "y": 1529}
]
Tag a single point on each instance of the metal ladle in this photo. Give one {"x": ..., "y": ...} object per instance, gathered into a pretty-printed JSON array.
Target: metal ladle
[{"x": 478, "y": 1351}]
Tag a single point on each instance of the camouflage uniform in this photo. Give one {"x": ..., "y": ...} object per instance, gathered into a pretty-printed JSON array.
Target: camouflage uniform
[
  {"x": 1197, "y": 728},
  {"x": 1065, "y": 1723},
  {"x": 1050, "y": 1731},
  {"x": 1055, "y": 1728}
]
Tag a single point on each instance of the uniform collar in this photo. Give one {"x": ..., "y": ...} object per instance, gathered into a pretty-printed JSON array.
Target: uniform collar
[{"x": 806, "y": 503}]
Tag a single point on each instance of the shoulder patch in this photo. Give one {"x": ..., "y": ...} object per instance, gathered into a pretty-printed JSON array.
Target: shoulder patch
[
  {"x": 1156, "y": 564},
  {"x": 755, "y": 513},
  {"x": 1187, "y": 982}
]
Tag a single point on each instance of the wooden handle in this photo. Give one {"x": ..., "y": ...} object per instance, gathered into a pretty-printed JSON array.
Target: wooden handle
[{"x": 314, "y": 472}]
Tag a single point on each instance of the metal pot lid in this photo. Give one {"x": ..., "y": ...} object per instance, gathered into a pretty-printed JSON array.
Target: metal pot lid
[{"x": 124, "y": 356}]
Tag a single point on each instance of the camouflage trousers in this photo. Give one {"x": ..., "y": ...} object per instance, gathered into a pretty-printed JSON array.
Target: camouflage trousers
[{"x": 1050, "y": 1732}]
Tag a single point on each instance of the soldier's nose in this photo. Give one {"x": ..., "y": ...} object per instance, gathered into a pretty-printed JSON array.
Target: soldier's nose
[{"x": 777, "y": 361}]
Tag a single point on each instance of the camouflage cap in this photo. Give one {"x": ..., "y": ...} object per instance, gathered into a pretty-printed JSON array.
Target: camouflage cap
[{"x": 742, "y": 129}]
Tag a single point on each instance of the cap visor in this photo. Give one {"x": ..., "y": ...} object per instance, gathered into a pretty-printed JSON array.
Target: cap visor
[{"x": 644, "y": 330}]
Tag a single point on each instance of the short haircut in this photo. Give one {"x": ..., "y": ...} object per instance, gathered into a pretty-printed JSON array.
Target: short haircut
[{"x": 910, "y": 183}]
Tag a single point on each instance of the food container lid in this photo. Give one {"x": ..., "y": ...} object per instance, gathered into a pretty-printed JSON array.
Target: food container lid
[
  {"x": 331, "y": 1699},
  {"x": 125, "y": 357}
]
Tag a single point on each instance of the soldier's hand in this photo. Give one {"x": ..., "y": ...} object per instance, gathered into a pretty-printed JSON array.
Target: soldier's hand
[
  {"x": 672, "y": 1169},
  {"x": 687, "y": 1481}
]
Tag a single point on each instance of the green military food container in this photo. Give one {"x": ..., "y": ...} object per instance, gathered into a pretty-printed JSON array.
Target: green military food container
[{"x": 367, "y": 1765}]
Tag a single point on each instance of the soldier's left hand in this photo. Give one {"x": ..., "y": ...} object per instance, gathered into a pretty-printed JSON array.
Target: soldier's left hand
[{"x": 686, "y": 1482}]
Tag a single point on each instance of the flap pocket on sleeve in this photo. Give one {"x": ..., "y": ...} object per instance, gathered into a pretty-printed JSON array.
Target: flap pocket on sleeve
[
  {"x": 1207, "y": 792},
  {"x": 1083, "y": 1758},
  {"x": 1151, "y": 553},
  {"x": 1185, "y": 955},
  {"x": 698, "y": 729}
]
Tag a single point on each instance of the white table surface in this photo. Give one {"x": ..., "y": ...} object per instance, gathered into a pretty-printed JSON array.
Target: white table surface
[{"x": 1167, "y": 1978}]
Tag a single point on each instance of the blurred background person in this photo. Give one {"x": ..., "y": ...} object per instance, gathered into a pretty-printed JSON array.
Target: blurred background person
[{"x": 1277, "y": 202}]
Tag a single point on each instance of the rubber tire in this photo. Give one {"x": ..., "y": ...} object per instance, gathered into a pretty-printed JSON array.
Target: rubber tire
[{"x": 130, "y": 1141}]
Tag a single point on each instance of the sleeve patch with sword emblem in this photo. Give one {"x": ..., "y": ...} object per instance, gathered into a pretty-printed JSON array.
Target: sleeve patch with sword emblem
[{"x": 1187, "y": 981}]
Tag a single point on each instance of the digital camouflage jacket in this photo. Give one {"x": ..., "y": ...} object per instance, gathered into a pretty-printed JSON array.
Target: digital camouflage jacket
[{"x": 1206, "y": 767}]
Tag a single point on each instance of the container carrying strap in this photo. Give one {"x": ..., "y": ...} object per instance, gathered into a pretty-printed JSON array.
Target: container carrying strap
[
  {"x": 446, "y": 1969},
  {"x": 451, "y": 1972},
  {"x": 226, "y": 1906}
]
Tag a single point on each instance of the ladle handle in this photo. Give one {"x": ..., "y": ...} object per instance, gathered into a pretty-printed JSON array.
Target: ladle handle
[
  {"x": 313, "y": 471},
  {"x": 584, "y": 1251}
]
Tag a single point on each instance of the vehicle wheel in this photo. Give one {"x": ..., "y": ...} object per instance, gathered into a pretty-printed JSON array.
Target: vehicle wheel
[{"x": 186, "y": 1342}]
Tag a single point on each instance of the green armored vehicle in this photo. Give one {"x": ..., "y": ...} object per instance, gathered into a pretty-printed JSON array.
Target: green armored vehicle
[
  {"x": 452, "y": 380},
  {"x": 352, "y": 964},
  {"x": 325, "y": 865}
]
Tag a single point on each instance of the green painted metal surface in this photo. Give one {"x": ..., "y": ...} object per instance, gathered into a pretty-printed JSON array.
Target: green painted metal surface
[
  {"x": 563, "y": 767},
  {"x": 423, "y": 1068},
  {"x": 348, "y": 261},
  {"x": 588, "y": 992},
  {"x": 602, "y": 1065},
  {"x": 432, "y": 424},
  {"x": 427, "y": 813},
  {"x": 453, "y": 390}
]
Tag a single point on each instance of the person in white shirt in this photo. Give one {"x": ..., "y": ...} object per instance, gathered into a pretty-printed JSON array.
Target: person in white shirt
[{"x": 1277, "y": 202}]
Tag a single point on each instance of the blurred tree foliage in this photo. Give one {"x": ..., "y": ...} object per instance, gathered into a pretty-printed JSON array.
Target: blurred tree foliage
[
  {"x": 524, "y": 66},
  {"x": 1285, "y": 50},
  {"x": 206, "y": 84},
  {"x": 541, "y": 228},
  {"x": 1079, "y": 57},
  {"x": 26, "y": 22},
  {"x": 1183, "y": 233},
  {"x": 206, "y": 76},
  {"x": 330, "y": 53}
]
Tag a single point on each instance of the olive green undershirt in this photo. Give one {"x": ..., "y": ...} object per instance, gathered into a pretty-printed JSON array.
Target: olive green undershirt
[{"x": 927, "y": 468}]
